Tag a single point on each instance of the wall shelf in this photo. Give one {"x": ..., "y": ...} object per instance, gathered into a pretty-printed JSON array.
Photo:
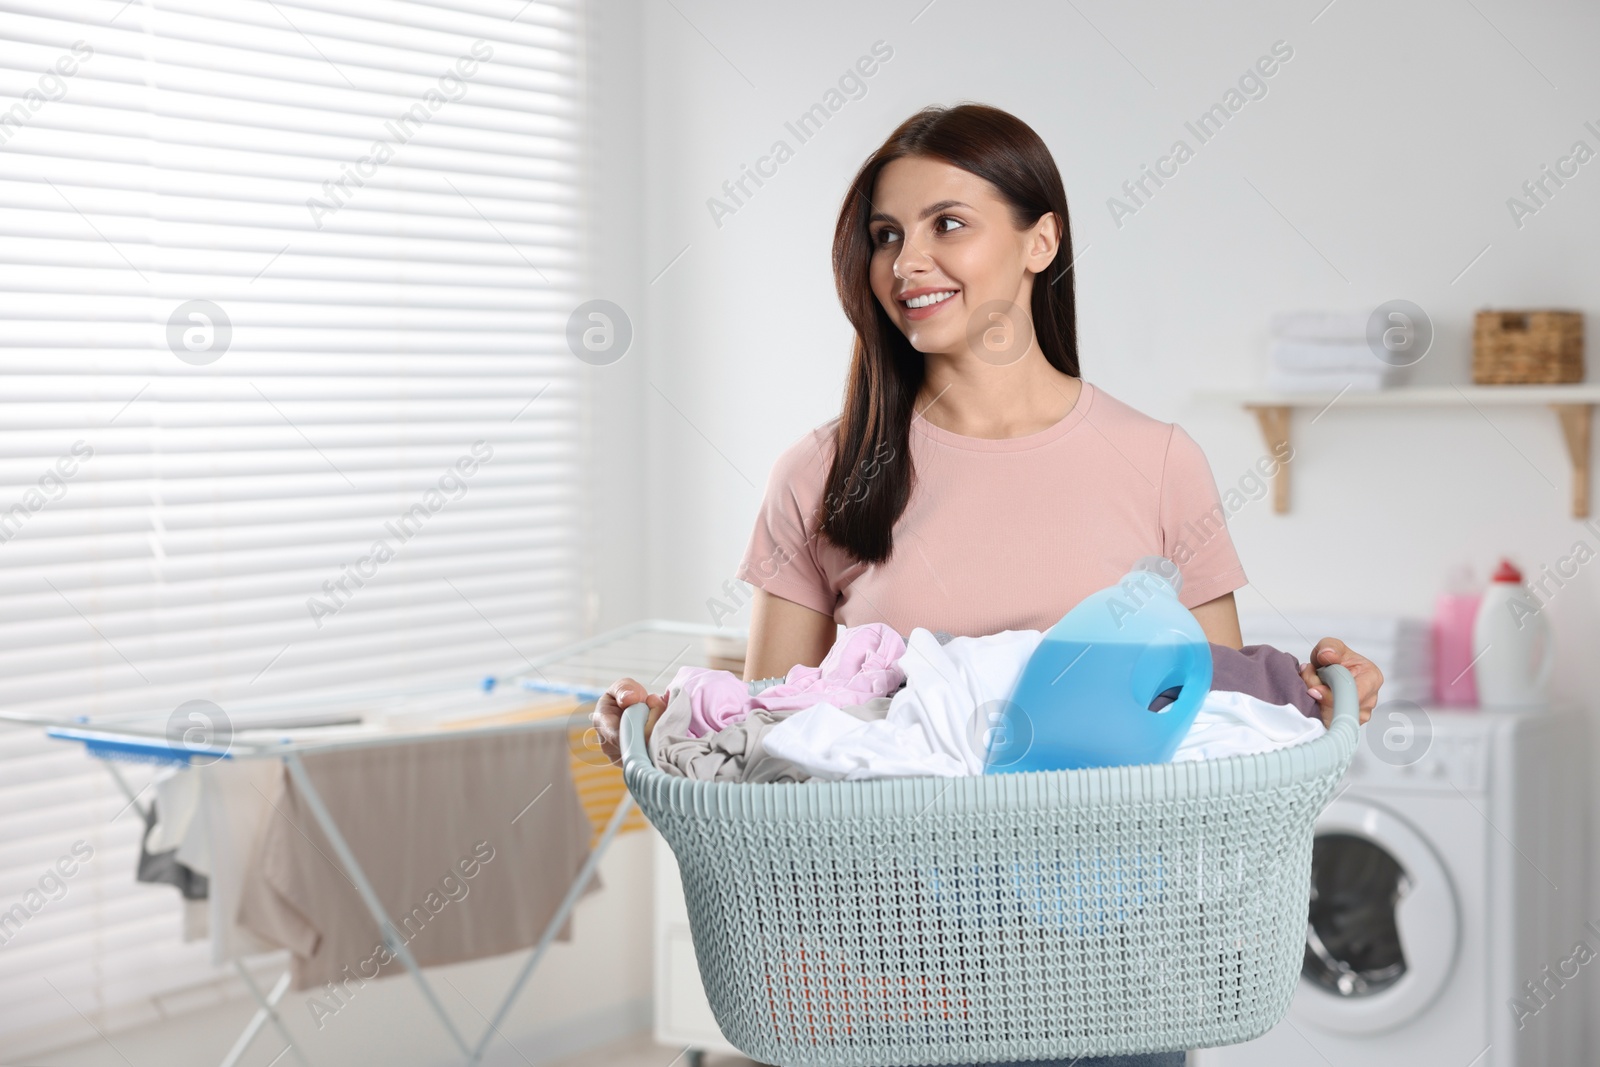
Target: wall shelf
[{"x": 1573, "y": 405}]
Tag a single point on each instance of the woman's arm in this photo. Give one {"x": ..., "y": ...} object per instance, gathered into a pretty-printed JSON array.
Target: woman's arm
[
  {"x": 783, "y": 634},
  {"x": 1219, "y": 618}
]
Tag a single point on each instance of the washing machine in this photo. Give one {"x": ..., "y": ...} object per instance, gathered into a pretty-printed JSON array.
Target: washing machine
[{"x": 1447, "y": 901}]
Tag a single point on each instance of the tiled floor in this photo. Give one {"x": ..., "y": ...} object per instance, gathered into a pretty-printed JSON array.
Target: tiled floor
[{"x": 641, "y": 1051}]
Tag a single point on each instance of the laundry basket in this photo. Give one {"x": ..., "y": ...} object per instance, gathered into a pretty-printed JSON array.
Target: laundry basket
[{"x": 1048, "y": 914}]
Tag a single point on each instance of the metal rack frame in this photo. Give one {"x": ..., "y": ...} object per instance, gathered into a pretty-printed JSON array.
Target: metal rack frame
[{"x": 132, "y": 739}]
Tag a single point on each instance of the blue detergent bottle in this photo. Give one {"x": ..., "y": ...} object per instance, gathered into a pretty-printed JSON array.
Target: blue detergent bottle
[{"x": 1083, "y": 698}]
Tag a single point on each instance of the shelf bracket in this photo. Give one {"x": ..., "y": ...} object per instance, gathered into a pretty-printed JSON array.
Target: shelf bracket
[
  {"x": 1274, "y": 421},
  {"x": 1573, "y": 404},
  {"x": 1575, "y": 426}
]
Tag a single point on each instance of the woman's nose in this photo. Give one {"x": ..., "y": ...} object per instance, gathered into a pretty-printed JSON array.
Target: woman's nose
[{"x": 911, "y": 260}]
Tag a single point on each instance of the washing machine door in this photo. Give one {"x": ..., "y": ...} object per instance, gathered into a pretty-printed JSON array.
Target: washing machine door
[{"x": 1384, "y": 924}]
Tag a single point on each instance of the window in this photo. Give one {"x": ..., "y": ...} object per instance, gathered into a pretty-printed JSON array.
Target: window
[{"x": 287, "y": 401}]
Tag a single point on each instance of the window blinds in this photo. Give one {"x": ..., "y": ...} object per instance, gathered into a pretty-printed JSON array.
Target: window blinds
[{"x": 285, "y": 400}]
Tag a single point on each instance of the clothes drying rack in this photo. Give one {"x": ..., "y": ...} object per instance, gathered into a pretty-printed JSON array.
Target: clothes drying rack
[{"x": 648, "y": 651}]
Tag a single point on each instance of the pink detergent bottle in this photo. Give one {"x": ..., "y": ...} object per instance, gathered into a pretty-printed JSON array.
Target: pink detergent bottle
[{"x": 1454, "y": 614}]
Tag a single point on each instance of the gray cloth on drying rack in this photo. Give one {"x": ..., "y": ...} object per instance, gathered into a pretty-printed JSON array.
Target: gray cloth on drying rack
[
  {"x": 164, "y": 866},
  {"x": 735, "y": 753}
]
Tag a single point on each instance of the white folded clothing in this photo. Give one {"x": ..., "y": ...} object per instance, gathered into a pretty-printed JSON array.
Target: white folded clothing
[
  {"x": 937, "y": 724},
  {"x": 1280, "y": 381},
  {"x": 1312, "y": 357},
  {"x": 1320, "y": 325},
  {"x": 1236, "y": 724},
  {"x": 928, "y": 728}
]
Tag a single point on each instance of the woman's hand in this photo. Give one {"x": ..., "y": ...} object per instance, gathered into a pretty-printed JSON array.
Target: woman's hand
[
  {"x": 607, "y": 714},
  {"x": 1368, "y": 677}
]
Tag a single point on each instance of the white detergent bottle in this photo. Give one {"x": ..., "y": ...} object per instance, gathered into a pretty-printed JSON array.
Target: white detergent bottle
[{"x": 1512, "y": 648}]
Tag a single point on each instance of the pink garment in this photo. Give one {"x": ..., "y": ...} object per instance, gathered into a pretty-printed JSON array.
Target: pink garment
[
  {"x": 1008, "y": 533},
  {"x": 863, "y": 663}
]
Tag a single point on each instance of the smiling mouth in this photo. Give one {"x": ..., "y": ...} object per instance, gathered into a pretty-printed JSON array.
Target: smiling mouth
[{"x": 928, "y": 299}]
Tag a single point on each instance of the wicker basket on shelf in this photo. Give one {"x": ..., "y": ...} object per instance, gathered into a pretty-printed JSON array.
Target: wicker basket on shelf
[{"x": 1527, "y": 347}]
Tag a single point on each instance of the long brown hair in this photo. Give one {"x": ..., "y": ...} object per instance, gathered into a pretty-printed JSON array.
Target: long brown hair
[{"x": 871, "y": 479}]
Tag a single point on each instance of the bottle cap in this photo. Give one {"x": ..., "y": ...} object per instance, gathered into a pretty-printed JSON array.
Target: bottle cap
[{"x": 1507, "y": 573}]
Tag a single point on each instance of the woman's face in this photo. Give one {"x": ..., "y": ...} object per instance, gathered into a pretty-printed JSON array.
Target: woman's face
[{"x": 944, "y": 233}]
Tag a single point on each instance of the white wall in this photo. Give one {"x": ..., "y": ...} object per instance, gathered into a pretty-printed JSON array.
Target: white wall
[{"x": 1391, "y": 142}]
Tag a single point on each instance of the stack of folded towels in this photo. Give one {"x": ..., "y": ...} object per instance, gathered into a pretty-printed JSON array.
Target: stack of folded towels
[
  {"x": 1400, "y": 647},
  {"x": 1324, "y": 351}
]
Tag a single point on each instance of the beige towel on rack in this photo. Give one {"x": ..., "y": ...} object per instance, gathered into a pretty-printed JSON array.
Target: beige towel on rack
[{"x": 470, "y": 844}]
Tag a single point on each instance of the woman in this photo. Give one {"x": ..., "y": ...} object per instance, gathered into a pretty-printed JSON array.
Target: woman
[{"x": 973, "y": 482}]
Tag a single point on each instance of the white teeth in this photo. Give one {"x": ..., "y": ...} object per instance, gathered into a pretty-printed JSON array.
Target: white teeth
[{"x": 929, "y": 299}]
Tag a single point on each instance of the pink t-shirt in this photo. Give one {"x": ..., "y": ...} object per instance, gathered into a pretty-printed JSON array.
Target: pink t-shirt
[{"x": 1006, "y": 533}]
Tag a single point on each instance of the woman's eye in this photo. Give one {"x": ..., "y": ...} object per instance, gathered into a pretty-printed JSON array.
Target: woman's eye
[{"x": 887, "y": 236}]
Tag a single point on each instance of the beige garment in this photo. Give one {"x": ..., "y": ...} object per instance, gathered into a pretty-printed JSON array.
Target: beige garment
[{"x": 469, "y": 842}]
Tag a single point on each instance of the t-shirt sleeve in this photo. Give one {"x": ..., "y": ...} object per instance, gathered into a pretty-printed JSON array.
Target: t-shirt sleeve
[
  {"x": 1194, "y": 528},
  {"x": 783, "y": 555}
]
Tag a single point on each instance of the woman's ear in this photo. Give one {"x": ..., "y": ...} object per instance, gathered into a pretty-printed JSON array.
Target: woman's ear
[{"x": 1044, "y": 242}]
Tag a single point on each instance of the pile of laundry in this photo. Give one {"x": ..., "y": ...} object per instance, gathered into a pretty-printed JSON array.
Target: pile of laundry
[{"x": 880, "y": 706}]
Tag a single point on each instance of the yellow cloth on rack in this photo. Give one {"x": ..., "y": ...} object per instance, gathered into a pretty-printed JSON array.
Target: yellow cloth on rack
[{"x": 597, "y": 780}]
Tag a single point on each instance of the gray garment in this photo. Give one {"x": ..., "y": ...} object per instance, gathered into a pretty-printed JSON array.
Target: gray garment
[
  {"x": 164, "y": 866},
  {"x": 736, "y": 753},
  {"x": 1260, "y": 671}
]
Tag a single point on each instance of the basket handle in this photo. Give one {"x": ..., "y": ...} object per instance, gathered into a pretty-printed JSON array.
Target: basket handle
[
  {"x": 1346, "y": 701},
  {"x": 634, "y": 752}
]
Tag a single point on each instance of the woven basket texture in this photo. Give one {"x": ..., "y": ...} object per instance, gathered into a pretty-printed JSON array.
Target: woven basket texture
[{"x": 990, "y": 918}]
